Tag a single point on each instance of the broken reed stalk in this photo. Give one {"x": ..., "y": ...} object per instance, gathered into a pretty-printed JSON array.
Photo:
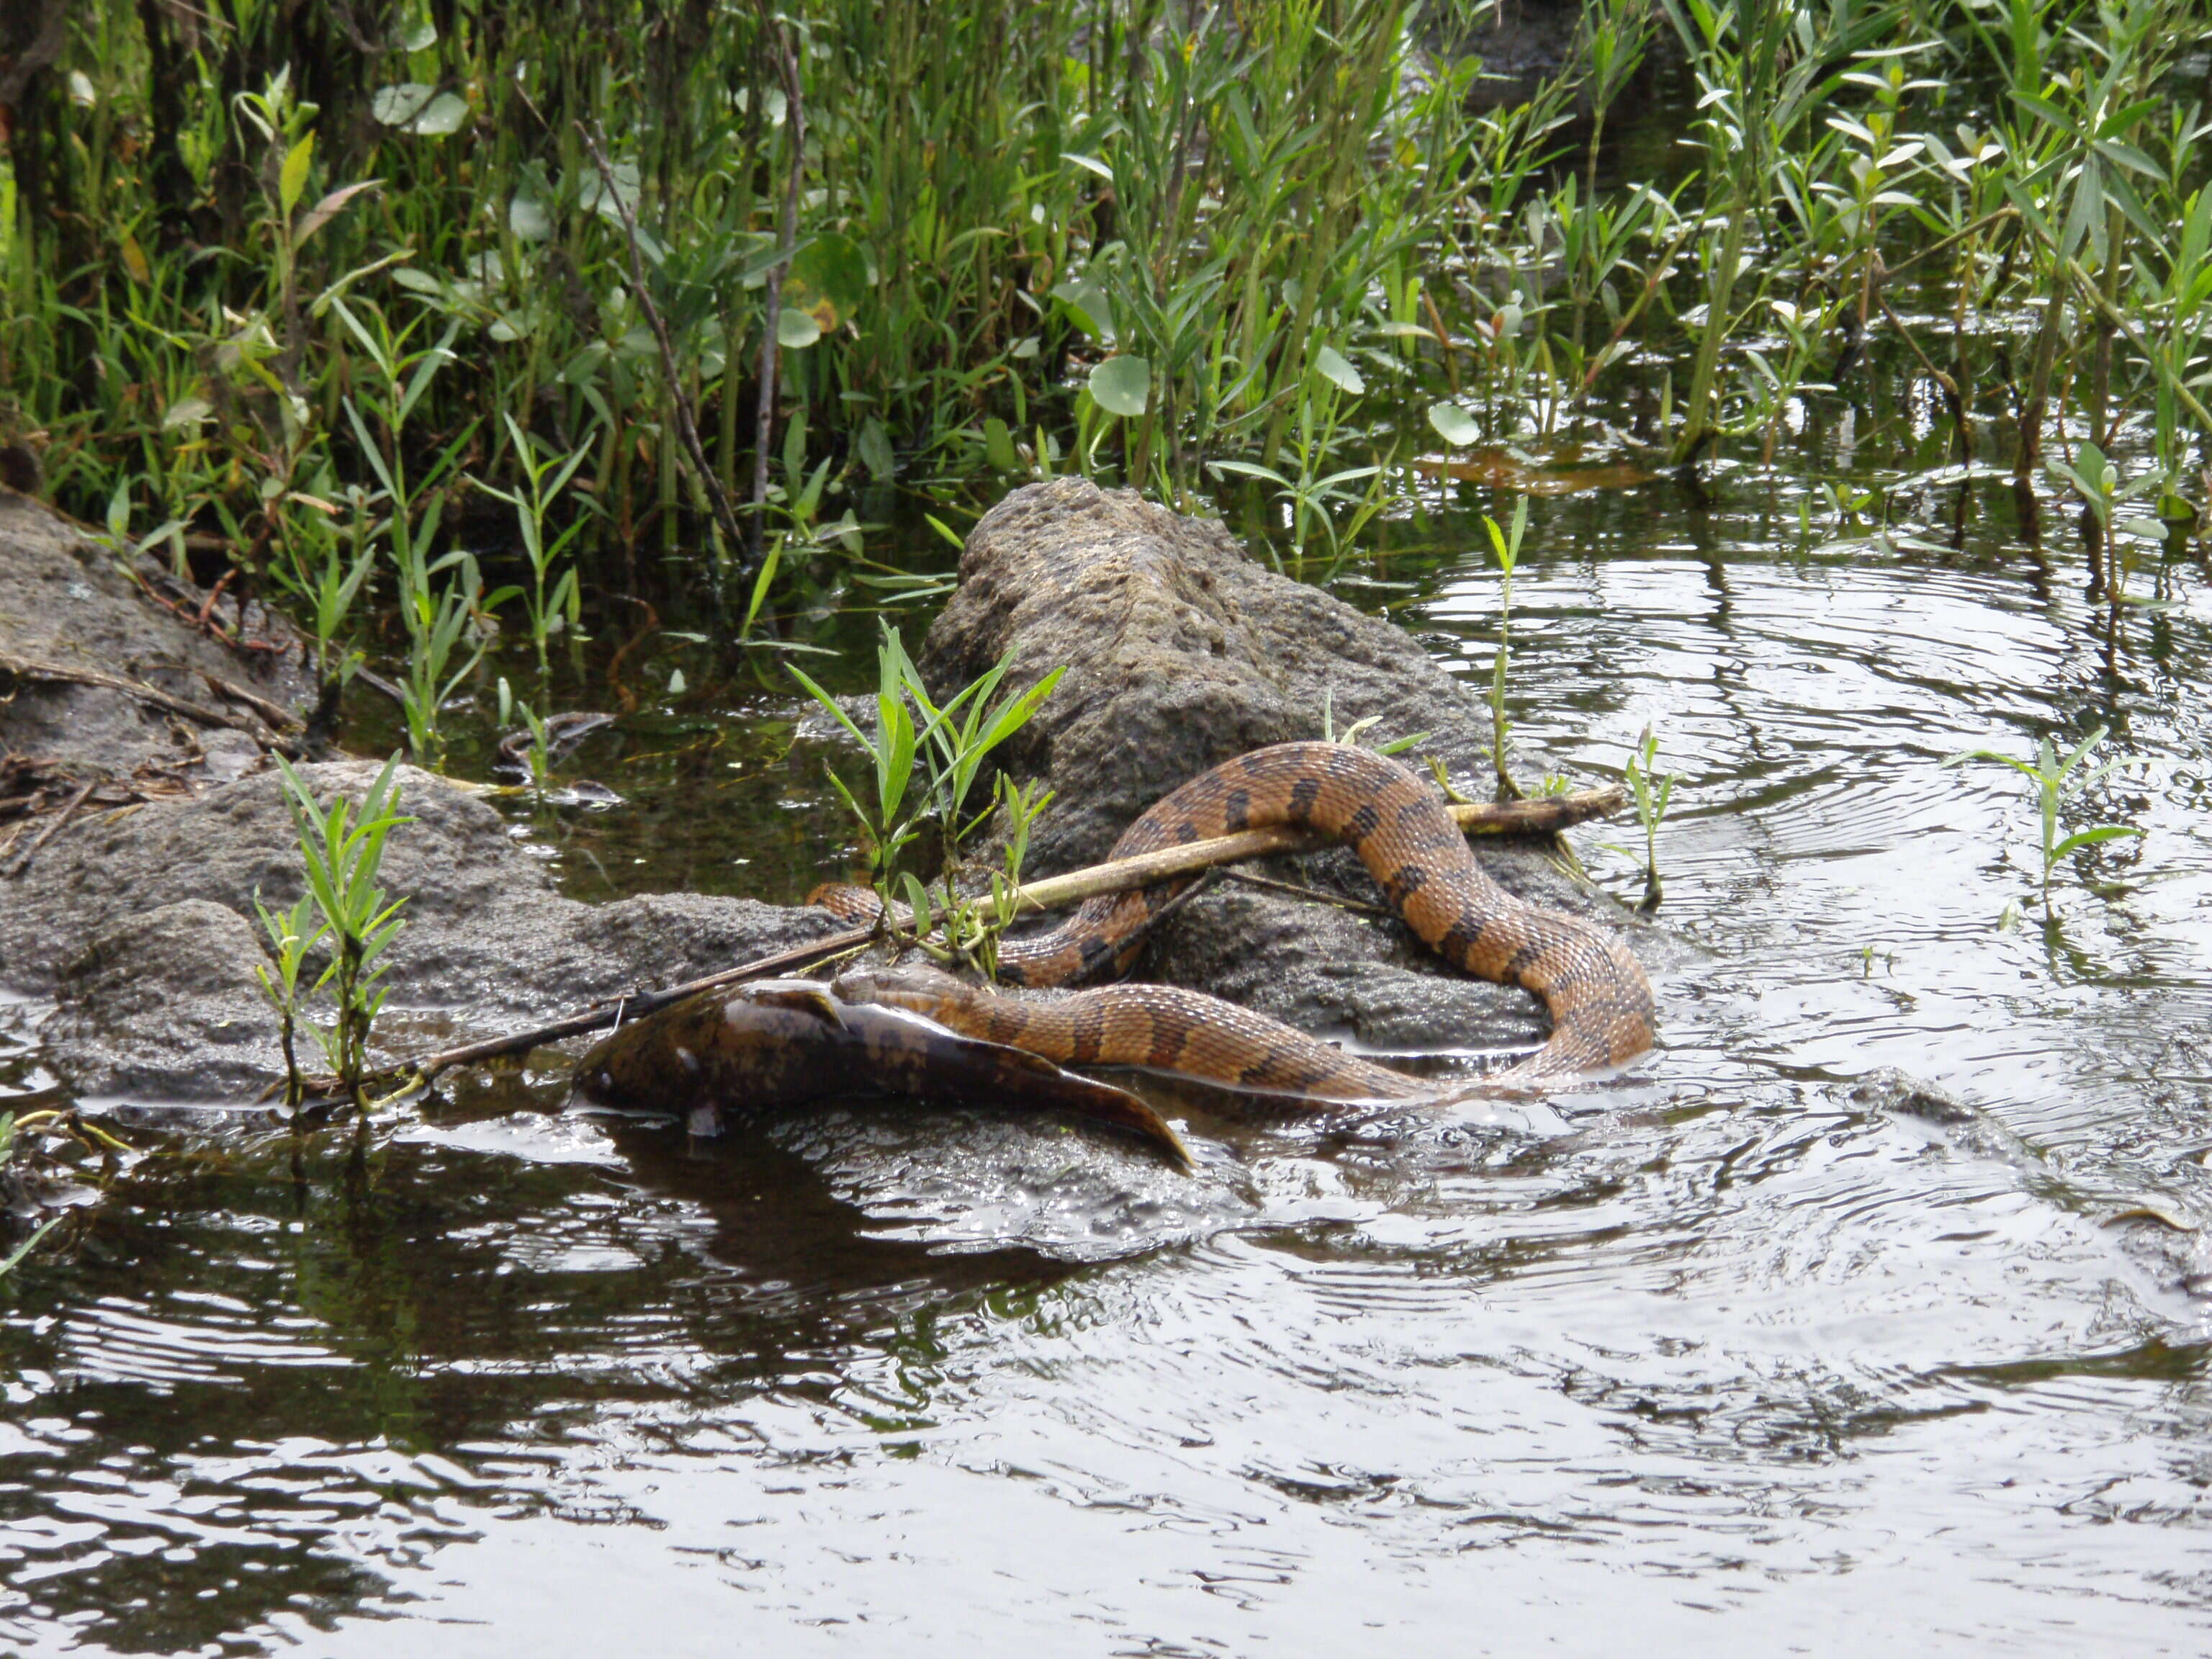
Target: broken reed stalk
[{"x": 1546, "y": 816}]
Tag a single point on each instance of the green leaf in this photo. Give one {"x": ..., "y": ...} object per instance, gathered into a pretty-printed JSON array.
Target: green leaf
[
  {"x": 2024, "y": 767},
  {"x": 999, "y": 446},
  {"x": 292, "y": 183},
  {"x": 16, "y": 1257},
  {"x": 832, "y": 705},
  {"x": 2100, "y": 833},
  {"x": 1123, "y": 386},
  {"x": 447, "y": 113},
  {"x": 1454, "y": 424},
  {"x": 396, "y": 107},
  {"x": 796, "y": 329},
  {"x": 828, "y": 281},
  {"x": 527, "y": 218},
  {"x": 1249, "y": 469},
  {"x": 1336, "y": 368}
]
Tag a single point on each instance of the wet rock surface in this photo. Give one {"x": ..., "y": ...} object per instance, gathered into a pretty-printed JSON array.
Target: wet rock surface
[
  {"x": 165, "y": 995},
  {"x": 139, "y": 921},
  {"x": 66, "y": 602},
  {"x": 488, "y": 941},
  {"x": 1182, "y": 651}
]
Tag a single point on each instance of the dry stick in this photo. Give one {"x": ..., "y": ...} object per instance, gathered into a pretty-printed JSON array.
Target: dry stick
[
  {"x": 22, "y": 860},
  {"x": 278, "y": 718},
  {"x": 787, "y": 64},
  {"x": 1547, "y": 816},
  {"x": 687, "y": 429},
  {"x": 24, "y": 668}
]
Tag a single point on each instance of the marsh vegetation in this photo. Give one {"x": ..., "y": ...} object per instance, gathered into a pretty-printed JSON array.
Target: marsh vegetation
[{"x": 421, "y": 319}]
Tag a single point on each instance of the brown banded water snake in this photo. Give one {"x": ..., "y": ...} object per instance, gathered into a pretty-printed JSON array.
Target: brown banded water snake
[{"x": 1596, "y": 991}]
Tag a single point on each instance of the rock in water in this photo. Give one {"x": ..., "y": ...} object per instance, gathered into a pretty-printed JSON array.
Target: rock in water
[{"x": 1182, "y": 651}]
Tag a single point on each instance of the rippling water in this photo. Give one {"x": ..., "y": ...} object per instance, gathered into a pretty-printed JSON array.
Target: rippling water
[{"x": 1736, "y": 1356}]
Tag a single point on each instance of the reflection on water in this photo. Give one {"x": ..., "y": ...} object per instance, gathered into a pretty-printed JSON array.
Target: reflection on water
[{"x": 1738, "y": 1341}]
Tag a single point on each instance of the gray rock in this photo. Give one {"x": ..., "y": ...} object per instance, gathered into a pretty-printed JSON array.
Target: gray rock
[
  {"x": 64, "y": 601},
  {"x": 1181, "y": 653},
  {"x": 488, "y": 943},
  {"x": 166, "y": 1001}
]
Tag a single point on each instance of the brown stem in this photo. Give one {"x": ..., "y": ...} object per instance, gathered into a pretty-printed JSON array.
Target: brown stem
[{"x": 794, "y": 119}]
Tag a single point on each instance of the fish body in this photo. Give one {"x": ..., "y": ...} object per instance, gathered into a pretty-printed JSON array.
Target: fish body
[{"x": 784, "y": 1042}]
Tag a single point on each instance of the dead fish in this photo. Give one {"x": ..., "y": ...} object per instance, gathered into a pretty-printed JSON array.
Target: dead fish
[{"x": 785, "y": 1041}]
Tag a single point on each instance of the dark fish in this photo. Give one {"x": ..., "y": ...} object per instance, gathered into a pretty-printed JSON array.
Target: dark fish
[{"x": 784, "y": 1042}]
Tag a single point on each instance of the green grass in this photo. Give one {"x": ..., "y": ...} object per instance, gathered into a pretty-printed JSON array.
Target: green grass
[{"x": 324, "y": 304}]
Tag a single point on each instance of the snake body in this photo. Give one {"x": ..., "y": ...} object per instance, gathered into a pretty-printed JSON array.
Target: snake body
[
  {"x": 1599, "y": 998},
  {"x": 1157, "y": 1028}
]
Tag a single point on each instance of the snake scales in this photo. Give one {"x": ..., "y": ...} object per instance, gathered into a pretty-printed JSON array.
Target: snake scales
[{"x": 1599, "y": 1000}]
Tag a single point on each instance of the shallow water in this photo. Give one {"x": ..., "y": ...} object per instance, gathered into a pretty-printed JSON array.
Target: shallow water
[{"x": 1734, "y": 1354}]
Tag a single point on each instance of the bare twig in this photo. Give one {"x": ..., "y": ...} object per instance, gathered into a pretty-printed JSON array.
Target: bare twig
[
  {"x": 1311, "y": 895},
  {"x": 275, "y": 715},
  {"x": 22, "y": 859},
  {"x": 687, "y": 425},
  {"x": 24, "y": 668}
]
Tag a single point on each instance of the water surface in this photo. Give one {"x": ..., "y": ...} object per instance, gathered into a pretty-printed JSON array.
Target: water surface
[{"x": 1737, "y": 1356}]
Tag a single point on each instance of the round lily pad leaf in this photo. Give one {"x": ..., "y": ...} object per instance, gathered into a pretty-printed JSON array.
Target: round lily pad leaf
[
  {"x": 1452, "y": 425},
  {"x": 828, "y": 281},
  {"x": 1336, "y": 368},
  {"x": 796, "y": 329},
  {"x": 1123, "y": 386}
]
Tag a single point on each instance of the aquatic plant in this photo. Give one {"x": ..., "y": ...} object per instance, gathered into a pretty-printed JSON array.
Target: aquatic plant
[
  {"x": 291, "y": 936},
  {"x": 1505, "y": 546},
  {"x": 2054, "y": 780},
  {"x": 1651, "y": 791},
  {"x": 538, "y": 756},
  {"x": 946, "y": 744},
  {"x": 14, "y": 1257},
  {"x": 1185, "y": 250},
  {"x": 543, "y": 476},
  {"x": 341, "y": 848}
]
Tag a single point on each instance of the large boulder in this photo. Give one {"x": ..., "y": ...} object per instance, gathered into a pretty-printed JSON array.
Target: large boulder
[
  {"x": 1181, "y": 652},
  {"x": 489, "y": 944}
]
